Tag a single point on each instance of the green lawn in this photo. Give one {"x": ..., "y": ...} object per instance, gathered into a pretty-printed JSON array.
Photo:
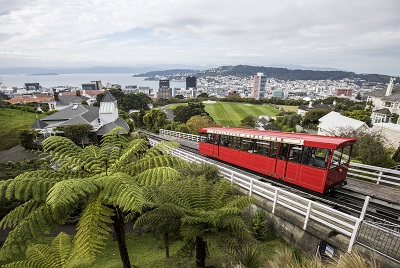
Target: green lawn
[
  {"x": 288, "y": 108},
  {"x": 231, "y": 113},
  {"x": 146, "y": 252},
  {"x": 11, "y": 120}
]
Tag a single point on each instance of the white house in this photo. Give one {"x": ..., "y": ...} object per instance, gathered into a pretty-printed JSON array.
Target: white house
[
  {"x": 102, "y": 119},
  {"x": 333, "y": 123},
  {"x": 66, "y": 99}
]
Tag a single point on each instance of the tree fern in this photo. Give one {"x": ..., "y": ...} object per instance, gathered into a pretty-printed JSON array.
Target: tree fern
[
  {"x": 157, "y": 176},
  {"x": 69, "y": 192},
  {"x": 19, "y": 213},
  {"x": 149, "y": 163},
  {"x": 92, "y": 230}
]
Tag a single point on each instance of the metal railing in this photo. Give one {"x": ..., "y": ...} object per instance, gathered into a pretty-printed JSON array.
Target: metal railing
[
  {"x": 310, "y": 210},
  {"x": 378, "y": 175}
]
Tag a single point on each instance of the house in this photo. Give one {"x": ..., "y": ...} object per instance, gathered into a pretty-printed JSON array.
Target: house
[
  {"x": 66, "y": 99},
  {"x": 333, "y": 123},
  {"x": 303, "y": 109},
  {"x": 391, "y": 132},
  {"x": 103, "y": 119},
  {"x": 386, "y": 103}
]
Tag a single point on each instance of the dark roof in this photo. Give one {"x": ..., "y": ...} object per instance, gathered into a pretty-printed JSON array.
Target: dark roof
[
  {"x": 108, "y": 97},
  {"x": 315, "y": 106},
  {"x": 110, "y": 126},
  {"x": 395, "y": 96},
  {"x": 383, "y": 111},
  {"x": 272, "y": 127},
  {"x": 67, "y": 113},
  {"x": 39, "y": 124}
]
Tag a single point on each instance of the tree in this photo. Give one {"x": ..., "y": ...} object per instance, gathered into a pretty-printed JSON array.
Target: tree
[
  {"x": 288, "y": 122},
  {"x": 184, "y": 113},
  {"x": 396, "y": 155},
  {"x": 155, "y": 119},
  {"x": 117, "y": 93},
  {"x": 204, "y": 211},
  {"x": 203, "y": 95},
  {"x": 248, "y": 121},
  {"x": 138, "y": 118},
  {"x": 76, "y": 133},
  {"x": 197, "y": 122},
  {"x": 312, "y": 117},
  {"x": 361, "y": 115},
  {"x": 134, "y": 101},
  {"x": 107, "y": 180},
  {"x": 26, "y": 137}
]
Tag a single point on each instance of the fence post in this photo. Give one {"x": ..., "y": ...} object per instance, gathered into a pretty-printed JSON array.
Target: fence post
[
  {"x": 380, "y": 176},
  {"x": 307, "y": 215},
  {"x": 251, "y": 187},
  {"x": 232, "y": 176},
  {"x": 357, "y": 225},
  {"x": 275, "y": 200}
]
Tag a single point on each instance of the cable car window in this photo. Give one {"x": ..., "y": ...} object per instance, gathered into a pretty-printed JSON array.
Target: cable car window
[
  {"x": 234, "y": 142},
  {"x": 316, "y": 157},
  {"x": 295, "y": 153},
  {"x": 246, "y": 145},
  {"x": 345, "y": 155},
  {"x": 336, "y": 158},
  {"x": 224, "y": 141},
  {"x": 216, "y": 139},
  {"x": 261, "y": 148},
  {"x": 283, "y": 151},
  {"x": 274, "y": 149},
  {"x": 203, "y": 137},
  {"x": 210, "y": 138}
]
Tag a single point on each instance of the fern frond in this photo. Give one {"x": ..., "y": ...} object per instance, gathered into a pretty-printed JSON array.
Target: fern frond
[
  {"x": 20, "y": 264},
  {"x": 222, "y": 192},
  {"x": 122, "y": 191},
  {"x": 162, "y": 148},
  {"x": 92, "y": 230},
  {"x": 149, "y": 163},
  {"x": 61, "y": 246},
  {"x": 37, "y": 223},
  {"x": 132, "y": 153},
  {"x": 41, "y": 255},
  {"x": 69, "y": 192},
  {"x": 34, "y": 184},
  {"x": 190, "y": 232},
  {"x": 71, "y": 156},
  {"x": 3, "y": 188},
  {"x": 113, "y": 145},
  {"x": 157, "y": 176},
  {"x": 18, "y": 214},
  {"x": 93, "y": 150}
]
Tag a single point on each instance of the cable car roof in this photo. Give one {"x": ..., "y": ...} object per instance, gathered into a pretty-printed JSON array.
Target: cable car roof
[{"x": 329, "y": 142}]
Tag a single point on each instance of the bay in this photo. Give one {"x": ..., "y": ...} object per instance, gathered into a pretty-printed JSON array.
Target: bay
[{"x": 76, "y": 80}]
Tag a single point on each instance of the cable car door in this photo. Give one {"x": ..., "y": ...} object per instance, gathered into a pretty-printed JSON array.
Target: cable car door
[
  {"x": 281, "y": 162},
  {"x": 216, "y": 146}
]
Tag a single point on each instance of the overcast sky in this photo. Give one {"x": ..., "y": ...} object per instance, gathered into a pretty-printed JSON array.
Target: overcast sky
[{"x": 354, "y": 35}]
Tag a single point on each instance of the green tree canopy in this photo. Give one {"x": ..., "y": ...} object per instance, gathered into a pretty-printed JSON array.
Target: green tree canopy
[
  {"x": 155, "y": 119},
  {"x": 312, "y": 117},
  {"x": 248, "y": 121},
  {"x": 76, "y": 133},
  {"x": 184, "y": 113},
  {"x": 197, "y": 122}
]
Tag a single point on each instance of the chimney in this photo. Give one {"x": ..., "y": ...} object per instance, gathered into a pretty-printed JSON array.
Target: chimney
[
  {"x": 56, "y": 98},
  {"x": 78, "y": 93}
]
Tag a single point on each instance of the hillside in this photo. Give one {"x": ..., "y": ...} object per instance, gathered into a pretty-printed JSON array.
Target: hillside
[
  {"x": 171, "y": 72},
  {"x": 11, "y": 121}
]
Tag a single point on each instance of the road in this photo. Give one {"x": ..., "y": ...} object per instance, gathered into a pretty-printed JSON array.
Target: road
[{"x": 17, "y": 154}]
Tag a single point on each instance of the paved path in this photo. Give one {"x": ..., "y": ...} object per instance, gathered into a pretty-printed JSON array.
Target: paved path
[{"x": 17, "y": 154}]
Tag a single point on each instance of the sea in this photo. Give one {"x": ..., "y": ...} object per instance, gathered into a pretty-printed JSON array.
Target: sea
[{"x": 76, "y": 80}]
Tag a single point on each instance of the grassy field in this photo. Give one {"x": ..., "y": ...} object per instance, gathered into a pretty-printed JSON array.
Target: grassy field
[
  {"x": 288, "y": 108},
  {"x": 146, "y": 252},
  {"x": 11, "y": 121},
  {"x": 231, "y": 113}
]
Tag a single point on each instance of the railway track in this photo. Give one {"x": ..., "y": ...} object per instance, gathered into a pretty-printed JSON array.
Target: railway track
[{"x": 343, "y": 200}]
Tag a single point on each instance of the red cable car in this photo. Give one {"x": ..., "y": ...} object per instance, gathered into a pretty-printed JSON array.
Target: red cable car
[{"x": 319, "y": 163}]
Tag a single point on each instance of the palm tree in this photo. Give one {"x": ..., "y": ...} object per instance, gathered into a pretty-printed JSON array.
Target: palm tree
[
  {"x": 106, "y": 180},
  {"x": 201, "y": 210}
]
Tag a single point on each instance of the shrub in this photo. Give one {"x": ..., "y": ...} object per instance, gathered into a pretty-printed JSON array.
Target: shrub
[{"x": 259, "y": 226}]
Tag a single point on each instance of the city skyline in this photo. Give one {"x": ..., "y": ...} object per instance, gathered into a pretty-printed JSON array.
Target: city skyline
[{"x": 359, "y": 36}]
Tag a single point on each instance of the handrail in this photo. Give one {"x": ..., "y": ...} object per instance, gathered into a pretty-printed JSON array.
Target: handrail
[
  {"x": 378, "y": 175},
  {"x": 323, "y": 214}
]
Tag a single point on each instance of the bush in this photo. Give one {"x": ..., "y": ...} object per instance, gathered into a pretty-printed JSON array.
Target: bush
[{"x": 259, "y": 226}]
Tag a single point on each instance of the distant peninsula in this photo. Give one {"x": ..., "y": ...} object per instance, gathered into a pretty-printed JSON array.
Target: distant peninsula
[
  {"x": 172, "y": 72},
  {"x": 43, "y": 74}
]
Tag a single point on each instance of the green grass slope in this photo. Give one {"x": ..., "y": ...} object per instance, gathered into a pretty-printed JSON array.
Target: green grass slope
[
  {"x": 231, "y": 113},
  {"x": 11, "y": 121}
]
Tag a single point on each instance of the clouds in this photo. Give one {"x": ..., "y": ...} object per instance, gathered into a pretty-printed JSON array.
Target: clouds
[{"x": 362, "y": 36}]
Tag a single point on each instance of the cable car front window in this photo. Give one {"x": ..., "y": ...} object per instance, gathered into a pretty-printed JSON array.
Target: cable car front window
[
  {"x": 336, "y": 158},
  {"x": 345, "y": 155}
]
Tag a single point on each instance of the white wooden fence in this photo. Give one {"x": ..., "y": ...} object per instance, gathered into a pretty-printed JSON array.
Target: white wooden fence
[
  {"x": 341, "y": 222},
  {"x": 378, "y": 175}
]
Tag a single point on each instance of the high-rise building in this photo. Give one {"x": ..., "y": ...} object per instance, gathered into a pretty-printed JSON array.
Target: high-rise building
[
  {"x": 163, "y": 82},
  {"x": 258, "y": 91},
  {"x": 191, "y": 82},
  {"x": 93, "y": 85},
  {"x": 32, "y": 86}
]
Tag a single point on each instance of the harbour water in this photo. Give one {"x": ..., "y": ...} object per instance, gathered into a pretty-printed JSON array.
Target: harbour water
[{"x": 76, "y": 80}]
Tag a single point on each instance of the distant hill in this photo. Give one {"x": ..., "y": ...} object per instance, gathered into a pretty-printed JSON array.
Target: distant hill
[
  {"x": 172, "y": 72},
  {"x": 287, "y": 74}
]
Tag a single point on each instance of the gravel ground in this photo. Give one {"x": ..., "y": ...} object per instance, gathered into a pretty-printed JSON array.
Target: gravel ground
[{"x": 17, "y": 154}]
